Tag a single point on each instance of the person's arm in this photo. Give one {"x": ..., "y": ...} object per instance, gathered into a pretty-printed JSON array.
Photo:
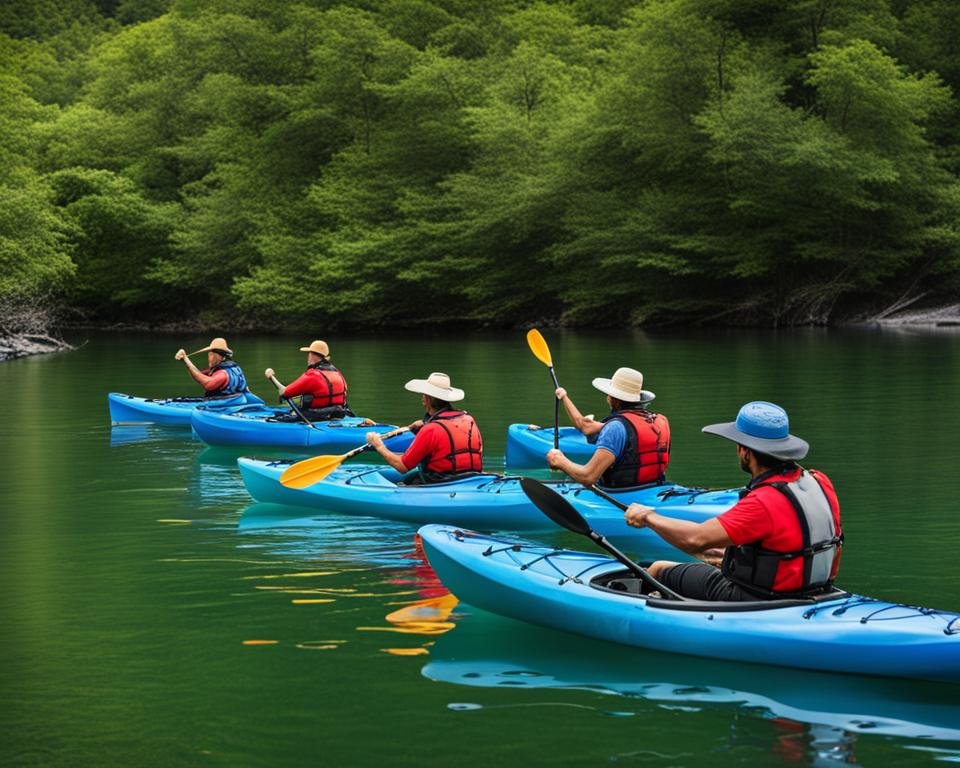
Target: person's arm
[
  {"x": 588, "y": 473},
  {"x": 584, "y": 424},
  {"x": 419, "y": 449},
  {"x": 395, "y": 460},
  {"x": 692, "y": 538},
  {"x": 273, "y": 380},
  {"x": 210, "y": 383}
]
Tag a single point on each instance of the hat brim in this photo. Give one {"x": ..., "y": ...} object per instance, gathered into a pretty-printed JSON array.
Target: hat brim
[
  {"x": 322, "y": 354},
  {"x": 787, "y": 448},
  {"x": 218, "y": 350},
  {"x": 424, "y": 387},
  {"x": 606, "y": 386}
]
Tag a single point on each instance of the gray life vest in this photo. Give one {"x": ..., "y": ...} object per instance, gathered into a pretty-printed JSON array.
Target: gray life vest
[{"x": 755, "y": 568}]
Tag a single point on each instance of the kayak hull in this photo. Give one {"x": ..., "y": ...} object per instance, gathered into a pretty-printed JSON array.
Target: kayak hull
[
  {"x": 558, "y": 589},
  {"x": 527, "y": 445},
  {"x": 250, "y": 426},
  {"x": 487, "y": 502},
  {"x": 173, "y": 412}
]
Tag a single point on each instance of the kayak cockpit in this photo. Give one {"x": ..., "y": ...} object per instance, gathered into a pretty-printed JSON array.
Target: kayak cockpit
[{"x": 627, "y": 583}]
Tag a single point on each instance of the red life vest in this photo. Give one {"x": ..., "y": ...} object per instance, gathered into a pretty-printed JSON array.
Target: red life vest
[
  {"x": 460, "y": 449},
  {"x": 808, "y": 514},
  {"x": 327, "y": 386},
  {"x": 646, "y": 455}
]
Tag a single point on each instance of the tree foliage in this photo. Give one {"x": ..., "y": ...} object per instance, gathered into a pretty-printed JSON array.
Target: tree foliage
[{"x": 441, "y": 161}]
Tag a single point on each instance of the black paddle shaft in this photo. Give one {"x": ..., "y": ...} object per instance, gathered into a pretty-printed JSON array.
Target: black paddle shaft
[
  {"x": 299, "y": 413},
  {"x": 636, "y": 568},
  {"x": 563, "y": 513}
]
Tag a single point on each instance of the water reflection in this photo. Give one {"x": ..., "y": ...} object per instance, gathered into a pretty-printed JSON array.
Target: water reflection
[
  {"x": 815, "y": 716},
  {"x": 298, "y": 532}
]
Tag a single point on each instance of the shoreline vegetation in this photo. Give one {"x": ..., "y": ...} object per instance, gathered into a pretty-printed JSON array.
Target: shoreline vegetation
[
  {"x": 377, "y": 164},
  {"x": 41, "y": 340}
]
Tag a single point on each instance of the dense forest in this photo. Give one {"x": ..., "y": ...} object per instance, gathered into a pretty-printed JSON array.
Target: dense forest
[{"x": 366, "y": 163}]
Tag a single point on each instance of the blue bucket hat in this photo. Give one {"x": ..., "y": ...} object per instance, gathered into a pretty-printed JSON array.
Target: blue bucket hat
[{"x": 762, "y": 427}]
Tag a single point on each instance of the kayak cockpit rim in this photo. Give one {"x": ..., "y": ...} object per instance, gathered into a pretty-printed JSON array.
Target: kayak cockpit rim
[{"x": 626, "y": 583}]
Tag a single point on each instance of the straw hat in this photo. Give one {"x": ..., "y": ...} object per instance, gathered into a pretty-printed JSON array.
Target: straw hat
[
  {"x": 763, "y": 427},
  {"x": 626, "y": 385},
  {"x": 218, "y": 345},
  {"x": 318, "y": 347},
  {"x": 436, "y": 385}
]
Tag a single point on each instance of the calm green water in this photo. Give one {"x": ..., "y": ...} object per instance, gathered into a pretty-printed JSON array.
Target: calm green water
[{"x": 134, "y": 568}]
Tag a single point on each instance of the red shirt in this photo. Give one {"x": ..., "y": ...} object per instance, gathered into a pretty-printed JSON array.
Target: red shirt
[
  {"x": 218, "y": 380},
  {"x": 314, "y": 382},
  {"x": 765, "y": 517}
]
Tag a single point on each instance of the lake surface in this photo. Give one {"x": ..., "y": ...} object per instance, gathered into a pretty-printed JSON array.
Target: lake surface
[{"x": 152, "y": 615}]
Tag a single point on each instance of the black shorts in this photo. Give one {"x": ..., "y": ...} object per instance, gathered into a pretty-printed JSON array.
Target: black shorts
[{"x": 700, "y": 581}]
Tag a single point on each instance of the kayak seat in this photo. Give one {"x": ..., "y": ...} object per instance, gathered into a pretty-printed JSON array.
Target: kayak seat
[
  {"x": 415, "y": 478},
  {"x": 667, "y": 486},
  {"x": 624, "y": 582},
  {"x": 329, "y": 413}
]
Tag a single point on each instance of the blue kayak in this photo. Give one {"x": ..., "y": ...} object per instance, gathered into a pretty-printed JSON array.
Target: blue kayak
[
  {"x": 255, "y": 426},
  {"x": 527, "y": 445},
  {"x": 170, "y": 411},
  {"x": 485, "y": 501},
  {"x": 489, "y": 651},
  {"x": 594, "y": 595}
]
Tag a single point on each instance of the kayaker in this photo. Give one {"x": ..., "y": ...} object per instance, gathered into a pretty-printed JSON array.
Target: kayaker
[
  {"x": 222, "y": 377},
  {"x": 447, "y": 443},
  {"x": 322, "y": 387},
  {"x": 783, "y": 538},
  {"x": 633, "y": 443}
]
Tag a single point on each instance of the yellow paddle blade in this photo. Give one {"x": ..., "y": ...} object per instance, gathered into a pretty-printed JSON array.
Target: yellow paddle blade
[
  {"x": 538, "y": 345},
  {"x": 309, "y": 471}
]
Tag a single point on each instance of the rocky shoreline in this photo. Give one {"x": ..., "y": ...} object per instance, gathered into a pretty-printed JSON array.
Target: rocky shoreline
[
  {"x": 938, "y": 317},
  {"x": 12, "y": 347}
]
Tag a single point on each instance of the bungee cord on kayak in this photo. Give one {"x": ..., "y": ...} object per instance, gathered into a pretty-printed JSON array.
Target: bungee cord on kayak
[{"x": 912, "y": 611}]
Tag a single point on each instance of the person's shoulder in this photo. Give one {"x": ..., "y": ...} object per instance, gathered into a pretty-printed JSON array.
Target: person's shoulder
[
  {"x": 615, "y": 424},
  {"x": 822, "y": 478}
]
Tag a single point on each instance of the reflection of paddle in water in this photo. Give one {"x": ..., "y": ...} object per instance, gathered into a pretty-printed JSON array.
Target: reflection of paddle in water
[
  {"x": 427, "y": 616},
  {"x": 422, "y": 617}
]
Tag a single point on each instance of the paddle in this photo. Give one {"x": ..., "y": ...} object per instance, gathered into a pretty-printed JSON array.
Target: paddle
[
  {"x": 562, "y": 512},
  {"x": 309, "y": 471},
  {"x": 607, "y": 497},
  {"x": 289, "y": 400},
  {"x": 299, "y": 413},
  {"x": 538, "y": 345}
]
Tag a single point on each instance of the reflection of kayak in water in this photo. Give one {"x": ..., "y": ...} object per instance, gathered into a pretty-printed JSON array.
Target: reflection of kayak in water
[
  {"x": 296, "y": 532},
  {"x": 490, "y": 651},
  {"x": 594, "y": 595}
]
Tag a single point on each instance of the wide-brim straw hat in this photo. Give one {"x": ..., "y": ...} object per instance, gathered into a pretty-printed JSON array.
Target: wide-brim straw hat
[
  {"x": 626, "y": 385},
  {"x": 436, "y": 385},
  {"x": 763, "y": 427},
  {"x": 318, "y": 347},
  {"x": 218, "y": 345}
]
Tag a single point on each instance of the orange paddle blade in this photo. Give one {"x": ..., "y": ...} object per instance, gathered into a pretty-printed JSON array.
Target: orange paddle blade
[
  {"x": 538, "y": 345},
  {"x": 309, "y": 471}
]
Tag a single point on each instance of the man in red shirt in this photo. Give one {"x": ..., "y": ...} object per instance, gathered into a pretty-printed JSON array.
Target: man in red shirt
[
  {"x": 222, "y": 377},
  {"x": 322, "y": 387},
  {"x": 447, "y": 443},
  {"x": 782, "y": 539}
]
